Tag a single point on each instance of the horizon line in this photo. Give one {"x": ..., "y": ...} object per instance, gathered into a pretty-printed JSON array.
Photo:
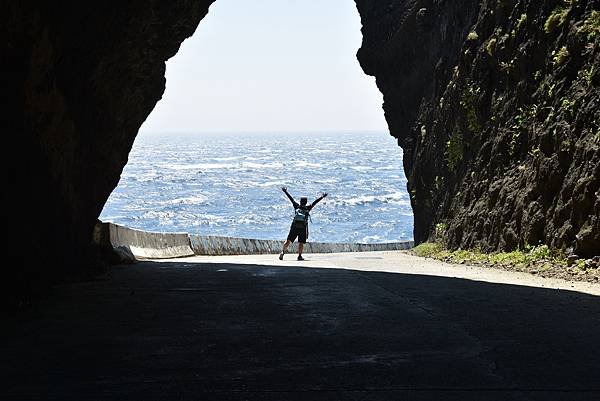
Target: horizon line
[{"x": 341, "y": 131}]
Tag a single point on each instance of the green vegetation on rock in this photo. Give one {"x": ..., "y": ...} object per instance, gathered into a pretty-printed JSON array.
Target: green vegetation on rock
[
  {"x": 567, "y": 106},
  {"x": 454, "y": 150},
  {"x": 591, "y": 26},
  {"x": 560, "y": 56},
  {"x": 557, "y": 18},
  {"x": 491, "y": 46},
  {"x": 531, "y": 254},
  {"x": 472, "y": 36},
  {"x": 523, "y": 120},
  {"x": 538, "y": 259},
  {"x": 468, "y": 102},
  {"x": 550, "y": 91},
  {"x": 524, "y": 116},
  {"x": 522, "y": 20},
  {"x": 440, "y": 231},
  {"x": 588, "y": 74},
  {"x": 428, "y": 249}
]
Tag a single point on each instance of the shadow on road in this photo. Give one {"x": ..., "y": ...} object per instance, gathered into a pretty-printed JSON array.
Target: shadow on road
[{"x": 231, "y": 332}]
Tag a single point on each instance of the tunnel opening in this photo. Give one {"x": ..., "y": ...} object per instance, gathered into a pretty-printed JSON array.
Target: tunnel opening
[{"x": 280, "y": 100}]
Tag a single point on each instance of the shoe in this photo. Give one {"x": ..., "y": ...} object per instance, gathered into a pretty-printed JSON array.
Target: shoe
[
  {"x": 281, "y": 256},
  {"x": 300, "y": 257}
]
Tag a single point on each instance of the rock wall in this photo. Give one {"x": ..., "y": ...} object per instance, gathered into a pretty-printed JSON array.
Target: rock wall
[
  {"x": 78, "y": 79},
  {"x": 497, "y": 107}
]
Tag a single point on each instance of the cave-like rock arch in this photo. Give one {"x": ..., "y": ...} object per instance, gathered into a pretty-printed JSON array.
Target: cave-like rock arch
[{"x": 79, "y": 79}]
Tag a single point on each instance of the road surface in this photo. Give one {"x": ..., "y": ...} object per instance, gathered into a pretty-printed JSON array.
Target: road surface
[{"x": 362, "y": 326}]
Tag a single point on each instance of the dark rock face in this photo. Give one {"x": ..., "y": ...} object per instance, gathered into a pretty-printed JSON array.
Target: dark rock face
[
  {"x": 78, "y": 80},
  {"x": 497, "y": 107}
]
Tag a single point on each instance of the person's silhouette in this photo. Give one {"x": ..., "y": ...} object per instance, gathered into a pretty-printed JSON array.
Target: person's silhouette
[{"x": 299, "y": 227}]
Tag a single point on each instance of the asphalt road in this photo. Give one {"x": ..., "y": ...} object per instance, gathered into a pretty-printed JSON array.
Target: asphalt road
[{"x": 179, "y": 330}]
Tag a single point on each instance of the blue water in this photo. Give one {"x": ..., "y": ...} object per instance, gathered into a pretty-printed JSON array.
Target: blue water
[{"x": 229, "y": 184}]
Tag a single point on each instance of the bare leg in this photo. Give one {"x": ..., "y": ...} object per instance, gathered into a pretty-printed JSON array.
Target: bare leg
[
  {"x": 284, "y": 249},
  {"x": 300, "y": 248}
]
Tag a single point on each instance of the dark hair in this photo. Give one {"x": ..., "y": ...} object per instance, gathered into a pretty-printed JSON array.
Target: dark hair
[{"x": 303, "y": 200}]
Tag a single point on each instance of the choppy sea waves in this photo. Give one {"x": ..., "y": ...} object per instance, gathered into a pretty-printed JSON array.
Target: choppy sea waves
[{"x": 229, "y": 185}]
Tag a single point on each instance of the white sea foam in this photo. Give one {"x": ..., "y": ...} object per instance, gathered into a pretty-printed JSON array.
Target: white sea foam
[
  {"x": 306, "y": 164},
  {"x": 226, "y": 159},
  {"x": 369, "y": 239},
  {"x": 189, "y": 200},
  {"x": 361, "y": 168},
  {"x": 201, "y": 166},
  {"x": 326, "y": 181},
  {"x": 397, "y": 198},
  {"x": 271, "y": 184},
  {"x": 257, "y": 166}
]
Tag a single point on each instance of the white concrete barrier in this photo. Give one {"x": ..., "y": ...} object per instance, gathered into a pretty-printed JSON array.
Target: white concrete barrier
[
  {"x": 160, "y": 245},
  {"x": 213, "y": 245},
  {"x": 150, "y": 245}
]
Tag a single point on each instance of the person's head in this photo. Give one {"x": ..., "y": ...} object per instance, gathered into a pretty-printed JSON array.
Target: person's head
[{"x": 303, "y": 201}]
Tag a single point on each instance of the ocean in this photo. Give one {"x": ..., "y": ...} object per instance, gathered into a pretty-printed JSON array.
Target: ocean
[{"x": 230, "y": 185}]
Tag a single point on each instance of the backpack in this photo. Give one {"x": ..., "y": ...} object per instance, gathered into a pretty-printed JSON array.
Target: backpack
[{"x": 301, "y": 215}]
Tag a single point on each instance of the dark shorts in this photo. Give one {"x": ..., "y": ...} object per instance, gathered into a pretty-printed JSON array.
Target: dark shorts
[{"x": 300, "y": 231}]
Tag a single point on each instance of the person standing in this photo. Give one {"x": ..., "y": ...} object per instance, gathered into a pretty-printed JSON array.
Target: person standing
[{"x": 299, "y": 227}]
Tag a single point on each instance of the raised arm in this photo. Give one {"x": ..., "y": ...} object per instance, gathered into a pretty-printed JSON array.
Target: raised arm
[
  {"x": 285, "y": 191},
  {"x": 319, "y": 199}
]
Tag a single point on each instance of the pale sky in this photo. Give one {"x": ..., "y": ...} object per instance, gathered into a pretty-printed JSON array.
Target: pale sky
[{"x": 270, "y": 65}]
